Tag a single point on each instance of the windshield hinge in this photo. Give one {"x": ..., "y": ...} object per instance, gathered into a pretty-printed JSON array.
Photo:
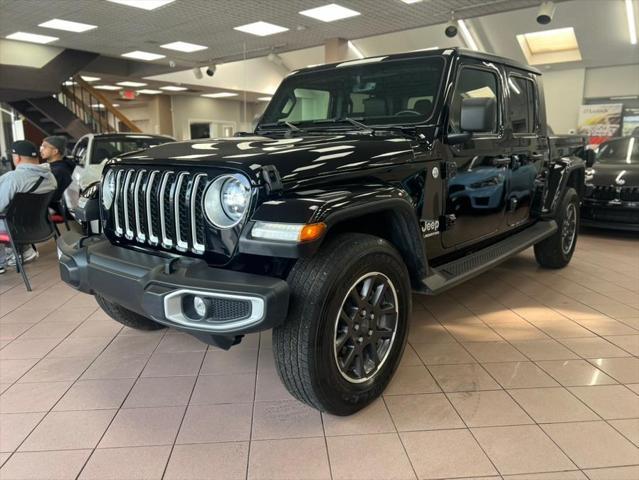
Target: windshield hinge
[{"x": 272, "y": 178}]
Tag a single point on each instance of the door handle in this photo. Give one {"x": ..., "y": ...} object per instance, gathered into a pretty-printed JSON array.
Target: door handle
[{"x": 501, "y": 161}]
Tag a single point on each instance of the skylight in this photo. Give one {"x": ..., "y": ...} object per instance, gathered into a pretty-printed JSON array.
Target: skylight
[
  {"x": 132, "y": 84},
  {"x": 146, "y": 56},
  {"x": 31, "y": 37},
  {"x": 330, "y": 13},
  {"x": 143, "y": 4},
  {"x": 67, "y": 25},
  {"x": 220, "y": 95},
  {"x": 184, "y": 47},
  {"x": 550, "y": 46},
  {"x": 261, "y": 29}
]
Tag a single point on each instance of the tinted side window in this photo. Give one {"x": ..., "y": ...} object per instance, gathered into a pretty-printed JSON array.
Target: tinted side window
[
  {"x": 80, "y": 151},
  {"x": 522, "y": 104},
  {"x": 472, "y": 83}
]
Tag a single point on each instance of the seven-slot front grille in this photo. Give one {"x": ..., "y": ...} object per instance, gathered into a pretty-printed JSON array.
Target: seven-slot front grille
[
  {"x": 608, "y": 193},
  {"x": 160, "y": 207}
]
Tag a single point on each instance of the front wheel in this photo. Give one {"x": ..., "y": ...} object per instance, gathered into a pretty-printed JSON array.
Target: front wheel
[
  {"x": 557, "y": 250},
  {"x": 347, "y": 325}
]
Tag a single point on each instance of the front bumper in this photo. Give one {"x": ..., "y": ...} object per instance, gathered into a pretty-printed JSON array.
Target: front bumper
[
  {"x": 159, "y": 286},
  {"x": 613, "y": 215}
]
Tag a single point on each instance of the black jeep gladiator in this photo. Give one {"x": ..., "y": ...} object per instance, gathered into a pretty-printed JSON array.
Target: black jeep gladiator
[{"x": 364, "y": 181}]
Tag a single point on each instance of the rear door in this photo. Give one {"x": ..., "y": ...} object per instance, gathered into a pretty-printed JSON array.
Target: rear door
[{"x": 529, "y": 149}]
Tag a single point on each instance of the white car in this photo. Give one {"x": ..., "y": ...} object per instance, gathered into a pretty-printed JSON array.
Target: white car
[{"x": 93, "y": 150}]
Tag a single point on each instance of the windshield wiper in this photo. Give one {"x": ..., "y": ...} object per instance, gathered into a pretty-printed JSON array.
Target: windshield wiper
[{"x": 292, "y": 127}]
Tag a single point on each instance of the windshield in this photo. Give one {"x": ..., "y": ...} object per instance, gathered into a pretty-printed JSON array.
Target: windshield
[
  {"x": 397, "y": 92},
  {"x": 620, "y": 150},
  {"x": 105, "y": 148}
]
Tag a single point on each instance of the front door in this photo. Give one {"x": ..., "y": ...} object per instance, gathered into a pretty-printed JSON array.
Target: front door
[{"x": 476, "y": 192}]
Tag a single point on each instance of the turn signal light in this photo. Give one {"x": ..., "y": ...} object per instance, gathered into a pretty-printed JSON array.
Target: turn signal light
[{"x": 312, "y": 232}]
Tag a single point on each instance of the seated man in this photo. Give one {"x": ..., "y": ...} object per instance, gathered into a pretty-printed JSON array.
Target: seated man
[
  {"x": 29, "y": 177},
  {"x": 52, "y": 151}
]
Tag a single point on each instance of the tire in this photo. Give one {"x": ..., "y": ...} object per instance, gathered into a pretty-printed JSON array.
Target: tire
[
  {"x": 125, "y": 316},
  {"x": 310, "y": 362},
  {"x": 557, "y": 250}
]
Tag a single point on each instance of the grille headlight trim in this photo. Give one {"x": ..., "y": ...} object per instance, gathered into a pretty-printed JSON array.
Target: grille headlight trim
[
  {"x": 226, "y": 200},
  {"x": 108, "y": 189}
]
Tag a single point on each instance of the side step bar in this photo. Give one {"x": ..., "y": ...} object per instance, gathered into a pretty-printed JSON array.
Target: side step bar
[{"x": 455, "y": 272}]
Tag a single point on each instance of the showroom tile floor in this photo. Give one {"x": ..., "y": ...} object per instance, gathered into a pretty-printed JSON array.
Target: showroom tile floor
[{"x": 521, "y": 373}]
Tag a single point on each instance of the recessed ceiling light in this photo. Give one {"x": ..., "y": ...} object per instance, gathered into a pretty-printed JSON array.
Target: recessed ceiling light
[
  {"x": 97, "y": 105},
  {"x": 132, "y": 84},
  {"x": 184, "y": 47},
  {"x": 67, "y": 25},
  {"x": 31, "y": 37},
  {"x": 146, "y": 56},
  {"x": 261, "y": 29},
  {"x": 107, "y": 87},
  {"x": 86, "y": 78},
  {"x": 411, "y": 1},
  {"x": 220, "y": 95},
  {"x": 329, "y": 13},
  {"x": 143, "y": 4},
  {"x": 148, "y": 91},
  {"x": 173, "y": 88},
  {"x": 264, "y": 99},
  {"x": 550, "y": 46}
]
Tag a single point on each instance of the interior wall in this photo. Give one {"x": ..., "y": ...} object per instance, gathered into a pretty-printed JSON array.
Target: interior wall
[{"x": 612, "y": 81}]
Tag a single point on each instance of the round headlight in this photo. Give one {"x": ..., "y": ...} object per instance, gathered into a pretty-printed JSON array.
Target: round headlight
[
  {"x": 108, "y": 189},
  {"x": 226, "y": 200}
]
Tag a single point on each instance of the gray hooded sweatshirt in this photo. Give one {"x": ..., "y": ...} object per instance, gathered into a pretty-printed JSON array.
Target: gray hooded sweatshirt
[{"x": 24, "y": 178}]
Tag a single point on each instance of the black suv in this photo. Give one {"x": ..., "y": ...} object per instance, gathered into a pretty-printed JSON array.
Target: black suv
[{"x": 364, "y": 181}]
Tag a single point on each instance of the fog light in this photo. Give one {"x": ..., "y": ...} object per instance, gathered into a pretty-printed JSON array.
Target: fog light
[{"x": 199, "y": 306}]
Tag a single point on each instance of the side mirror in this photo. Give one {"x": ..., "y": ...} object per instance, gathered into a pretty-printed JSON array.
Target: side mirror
[
  {"x": 478, "y": 115},
  {"x": 590, "y": 156}
]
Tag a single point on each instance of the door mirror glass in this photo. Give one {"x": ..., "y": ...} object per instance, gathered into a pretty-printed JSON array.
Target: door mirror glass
[{"x": 478, "y": 115}]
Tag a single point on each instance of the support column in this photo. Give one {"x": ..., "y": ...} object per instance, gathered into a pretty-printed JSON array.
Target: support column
[{"x": 335, "y": 50}]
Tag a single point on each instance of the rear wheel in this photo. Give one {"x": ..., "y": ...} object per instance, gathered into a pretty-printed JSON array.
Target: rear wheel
[
  {"x": 125, "y": 316},
  {"x": 347, "y": 325},
  {"x": 557, "y": 250}
]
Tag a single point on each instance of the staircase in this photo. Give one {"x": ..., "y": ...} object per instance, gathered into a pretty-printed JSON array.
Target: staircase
[{"x": 75, "y": 111}]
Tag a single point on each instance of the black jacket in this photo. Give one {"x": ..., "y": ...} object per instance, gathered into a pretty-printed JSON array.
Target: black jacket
[{"x": 62, "y": 171}]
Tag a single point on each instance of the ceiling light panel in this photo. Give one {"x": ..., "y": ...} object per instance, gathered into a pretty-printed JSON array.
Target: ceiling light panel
[
  {"x": 146, "y": 56},
  {"x": 264, "y": 99},
  {"x": 173, "y": 88},
  {"x": 632, "y": 25},
  {"x": 330, "y": 13},
  {"x": 31, "y": 37},
  {"x": 132, "y": 84},
  {"x": 67, "y": 25},
  {"x": 184, "y": 47},
  {"x": 143, "y": 4},
  {"x": 148, "y": 91},
  {"x": 107, "y": 87},
  {"x": 411, "y": 1},
  {"x": 220, "y": 95},
  {"x": 87, "y": 78},
  {"x": 261, "y": 29}
]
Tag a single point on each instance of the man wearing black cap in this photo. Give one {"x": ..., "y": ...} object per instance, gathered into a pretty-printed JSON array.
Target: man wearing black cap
[
  {"x": 28, "y": 176},
  {"x": 52, "y": 151}
]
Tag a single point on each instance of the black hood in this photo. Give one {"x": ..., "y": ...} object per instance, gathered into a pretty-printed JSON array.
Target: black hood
[
  {"x": 615, "y": 174},
  {"x": 295, "y": 158}
]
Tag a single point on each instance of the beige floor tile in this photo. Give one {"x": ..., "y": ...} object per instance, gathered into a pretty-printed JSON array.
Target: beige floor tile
[
  {"x": 463, "y": 378},
  {"x": 521, "y": 449},
  {"x": 446, "y": 454},
  {"x": 21, "y": 349},
  {"x": 95, "y": 394},
  {"x": 138, "y": 427},
  {"x": 181, "y": 342},
  {"x": 410, "y": 357},
  {"x": 91, "y": 328},
  {"x": 609, "y": 401},
  {"x": 32, "y": 397},
  {"x": 429, "y": 332},
  {"x": 80, "y": 347},
  {"x": 115, "y": 366},
  {"x": 520, "y": 375},
  {"x": 442, "y": 354},
  {"x": 392, "y": 464},
  {"x": 12, "y": 370},
  {"x": 56, "y": 465},
  {"x": 214, "y": 461},
  {"x": 593, "y": 444},
  {"x": 69, "y": 430},
  {"x": 288, "y": 419},
  {"x": 575, "y": 373},
  {"x": 494, "y": 352},
  {"x": 126, "y": 463},
  {"x": 630, "y": 343},
  {"x": 549, "y": 405},
  {"x": 173, "y": 364},
  {"x": 54, "y": 330},
  {"x": 279, "y": 460},
  {"x": 624, "y": 370},
  {"x": 372, "y": 419},
  {"x": 133, "y": 345},
  {"x": 160, "y": 392},
  {"x": 235, "y": 388},
  {"x": 228, "y": 362},
  {"x": 594, "y": 347},
  {"x": 269, "y": 387},
  {"x": 487, "y": 409},
  {"x": 57, "y": 369},
  {"x": 628, "y": 428},
  {"x": 616, "y": 473},
  {"x": 572, "y": 475},
  {"x": 15, "y": 428},
  {"x": 606, "y": 326},
  {"x": 415, "y": 379},
  {"x": 423, "y": 412},
  {"x": 545, "y": 350},
  {"x": 216, "y": 423},
  {"x": 473, "y": 332}
]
